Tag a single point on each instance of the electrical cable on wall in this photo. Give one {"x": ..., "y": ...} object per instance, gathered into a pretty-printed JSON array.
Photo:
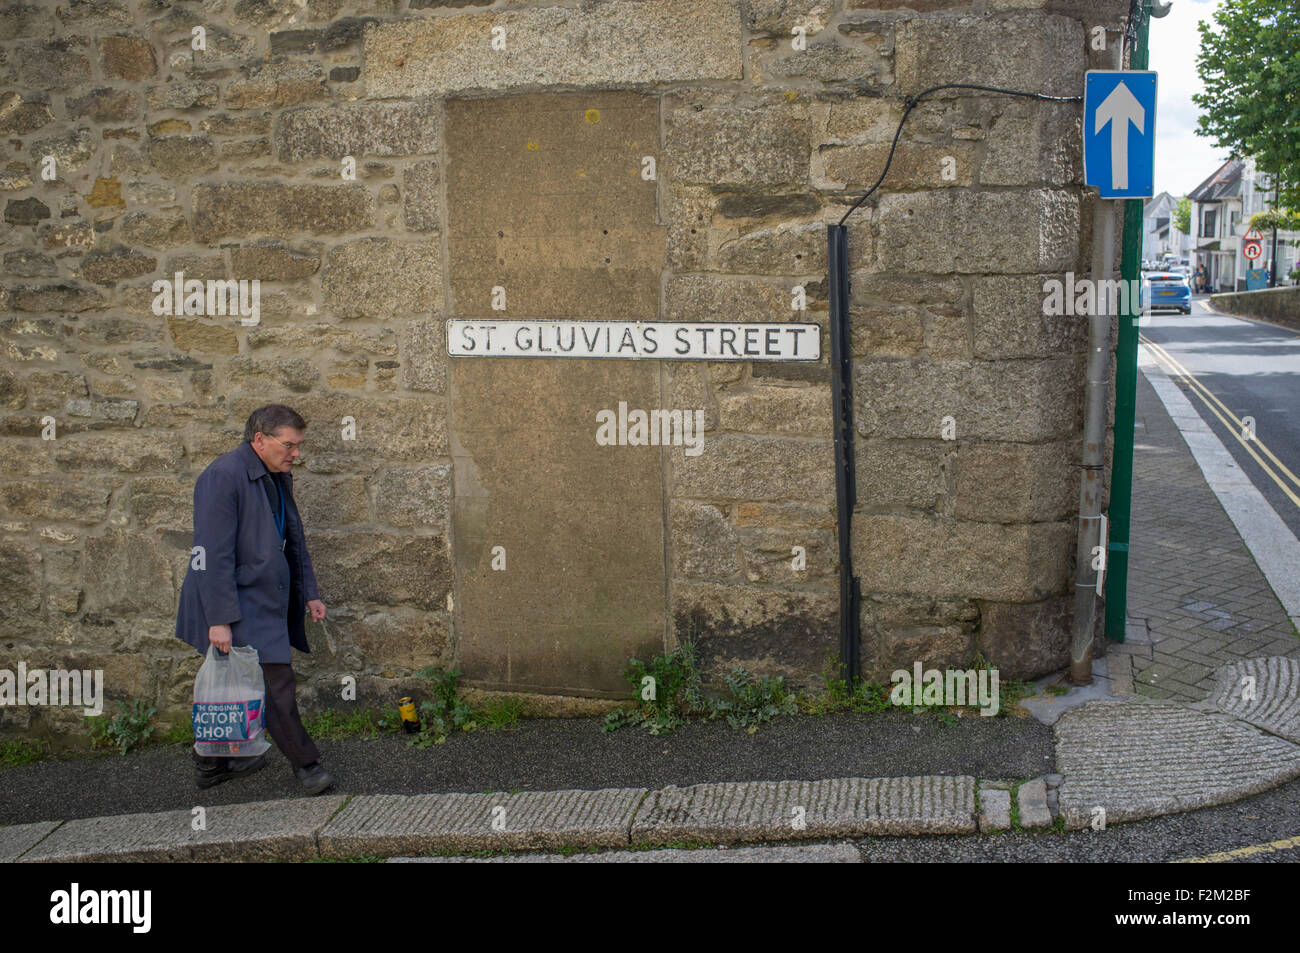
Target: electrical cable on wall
[
  {"x": 913, "y": 100},
  {"x": 842, "y": 386}
]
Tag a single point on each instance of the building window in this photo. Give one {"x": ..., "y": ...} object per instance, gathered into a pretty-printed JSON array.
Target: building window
[{"x": 1207, "y": 223}]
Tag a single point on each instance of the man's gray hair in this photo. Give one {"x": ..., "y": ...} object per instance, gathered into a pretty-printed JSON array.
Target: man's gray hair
[{"x": 271, "y": 418}]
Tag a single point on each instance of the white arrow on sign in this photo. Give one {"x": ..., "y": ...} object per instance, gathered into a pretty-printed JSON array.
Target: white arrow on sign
[{"x": 1119, "y": 109}]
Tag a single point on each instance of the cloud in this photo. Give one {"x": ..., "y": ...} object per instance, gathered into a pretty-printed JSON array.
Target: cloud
[{"x": 1183, "y": 159}]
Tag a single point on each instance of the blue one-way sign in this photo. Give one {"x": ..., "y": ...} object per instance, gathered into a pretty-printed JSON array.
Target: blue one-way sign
[{"x": 1119, "y": 132}]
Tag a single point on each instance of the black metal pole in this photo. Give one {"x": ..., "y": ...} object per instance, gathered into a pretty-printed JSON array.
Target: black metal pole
[
  {"x": 837, "y": 239},
  {"x": 1272, "y": 264}
]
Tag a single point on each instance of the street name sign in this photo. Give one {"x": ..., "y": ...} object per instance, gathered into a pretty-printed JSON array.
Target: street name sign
[
  {"x": 635, "y": 340},
  {"x": 1119, "y": 132}
]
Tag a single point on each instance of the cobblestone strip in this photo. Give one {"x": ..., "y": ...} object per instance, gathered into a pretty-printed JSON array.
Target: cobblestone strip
[
  {"x": 1263, "y": 692},
  {"x": 1139, "y": 760}
]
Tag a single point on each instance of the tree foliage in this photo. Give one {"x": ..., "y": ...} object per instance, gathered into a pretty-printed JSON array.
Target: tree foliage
[
  {"x": 1283, "y": 219},
  {"x": 1249, "y": 62},
  {"x": 1182, "y": 216}
]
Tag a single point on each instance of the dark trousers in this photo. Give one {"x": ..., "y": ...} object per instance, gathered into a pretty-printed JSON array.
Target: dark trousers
[{"x": 283, "y": 723}]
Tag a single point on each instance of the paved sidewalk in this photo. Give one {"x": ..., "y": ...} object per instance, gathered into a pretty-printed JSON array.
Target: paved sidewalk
[
  {"x": 1120, "y": 760},
  {"x": 1197, "y": 600},
  {"x": 1205, "y": 710}
]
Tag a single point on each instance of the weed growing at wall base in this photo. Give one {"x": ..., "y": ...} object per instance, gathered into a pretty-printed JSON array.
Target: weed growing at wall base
[
  {"x": 130, "y": 728},
  {"x": 22, "y": 751},
  {"x": 441, "y": 715},
  {"x": 667, "y": 691},
  {"x": 953, "y": 688},
  {"x": 754, "y": 701},
  {"x": 864, "y": 697}
]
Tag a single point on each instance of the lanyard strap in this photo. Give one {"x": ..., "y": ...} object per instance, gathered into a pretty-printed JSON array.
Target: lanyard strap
[{"x": 279, "y": 520}]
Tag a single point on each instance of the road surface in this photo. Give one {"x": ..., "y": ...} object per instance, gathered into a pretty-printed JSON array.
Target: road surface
[{"x": 1233, "y": 369}]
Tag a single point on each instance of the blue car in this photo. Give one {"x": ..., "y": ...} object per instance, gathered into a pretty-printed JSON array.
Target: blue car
[{"x": 1166, "y": 290}]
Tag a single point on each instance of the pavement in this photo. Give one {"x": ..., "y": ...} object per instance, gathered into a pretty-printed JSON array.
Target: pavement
[{"x": 1200, "y": 707}]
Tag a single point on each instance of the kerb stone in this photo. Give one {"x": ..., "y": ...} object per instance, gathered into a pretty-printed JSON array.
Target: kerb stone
[
  {"x": 995, "y": 809},
  {"x": 1031, "y": 798},
  {"x": 389, "y": 824},
  {"x": 841, "y": 807},
  {"x": 264, "y": 830},
  {"x": 16, "y": 839}
]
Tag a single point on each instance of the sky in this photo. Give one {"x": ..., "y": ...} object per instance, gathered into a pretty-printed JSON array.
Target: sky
[{"x": 1183, "y": 159}]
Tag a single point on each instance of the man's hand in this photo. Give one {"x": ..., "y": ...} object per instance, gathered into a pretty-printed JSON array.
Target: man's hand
[
  {"x": 219, "y": 636},
  {"x": 317, "y": 610}
]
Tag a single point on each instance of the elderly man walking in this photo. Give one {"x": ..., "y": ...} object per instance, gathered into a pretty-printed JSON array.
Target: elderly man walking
[{"x": 257, "y": 582}]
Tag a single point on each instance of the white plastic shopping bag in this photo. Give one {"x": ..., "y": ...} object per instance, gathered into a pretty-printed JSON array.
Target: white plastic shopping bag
[{"x": 230, "y": 705}]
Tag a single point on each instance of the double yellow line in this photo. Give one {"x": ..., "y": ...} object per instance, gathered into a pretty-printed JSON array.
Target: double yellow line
[
  {"x": 1235, "y": 427},
  {"x": 1289, "y": 843}
]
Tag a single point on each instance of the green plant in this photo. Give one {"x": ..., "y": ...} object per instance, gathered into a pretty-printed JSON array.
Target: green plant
[
  {"x": 332, "y": 725},
  {"x": 753, "y": 701},
  {"x": 130, "y": 728},
  {"x": 22, "y": 751},
  {"x": 499, "y": 713},
  {"x": 182, "y": 732},
  {"x": 389, "y": 720},
  {"x": 347, "y": 860},
  {"x": 444, "y": 712},
  {"x": 667, "y": 691},
  {"x": 673, "y": 845},
  {"x": 865, "y": 697},
  {"x": 1010, "y": 691}
]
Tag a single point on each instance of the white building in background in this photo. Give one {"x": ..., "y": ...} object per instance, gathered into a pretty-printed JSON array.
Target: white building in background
[
  {"x": 1160, "y": 237},
  {"x": 1222, "y": 206}
]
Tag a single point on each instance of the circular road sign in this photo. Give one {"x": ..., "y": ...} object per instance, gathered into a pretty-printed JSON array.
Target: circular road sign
[{"x": 1252, "y": 250}]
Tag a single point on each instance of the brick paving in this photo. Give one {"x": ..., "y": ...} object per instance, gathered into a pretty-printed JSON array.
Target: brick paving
[{"x": 1196, "y": 598}]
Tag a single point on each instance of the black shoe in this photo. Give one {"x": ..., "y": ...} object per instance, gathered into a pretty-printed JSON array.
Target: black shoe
[
  {"x": 314, "y": 777},
  {"x": 210, "y": 771}
]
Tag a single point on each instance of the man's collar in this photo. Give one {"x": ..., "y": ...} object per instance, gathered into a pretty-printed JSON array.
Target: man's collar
[{"x": 252, "y": 462}]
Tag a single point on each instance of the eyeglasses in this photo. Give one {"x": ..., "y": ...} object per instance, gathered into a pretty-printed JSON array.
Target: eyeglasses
[{"x": 288, "y": 446}]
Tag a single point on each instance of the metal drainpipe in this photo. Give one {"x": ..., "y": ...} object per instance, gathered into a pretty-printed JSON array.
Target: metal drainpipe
[
  {"x": 837, "y": 246},
  {"x": 1093, "y": 458},
  {"x": 1094, "y": 448}
]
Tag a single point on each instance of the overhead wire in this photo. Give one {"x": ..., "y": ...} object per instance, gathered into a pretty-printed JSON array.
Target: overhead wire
[{"x": 911, "y": 104}]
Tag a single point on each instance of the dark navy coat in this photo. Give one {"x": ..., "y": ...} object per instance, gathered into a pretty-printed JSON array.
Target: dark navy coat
[{"x": 248, "y": 583}]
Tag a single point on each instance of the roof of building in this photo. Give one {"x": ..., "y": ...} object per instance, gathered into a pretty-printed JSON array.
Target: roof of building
[
  {"x": 1155, "y": 200},
  {"x": 1225, "y": 182}
]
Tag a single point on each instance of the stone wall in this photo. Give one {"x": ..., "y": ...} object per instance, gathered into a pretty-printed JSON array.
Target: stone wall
[
  {"x": 1277, "y": 305},
  {"x": 128, "y": 156}
]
